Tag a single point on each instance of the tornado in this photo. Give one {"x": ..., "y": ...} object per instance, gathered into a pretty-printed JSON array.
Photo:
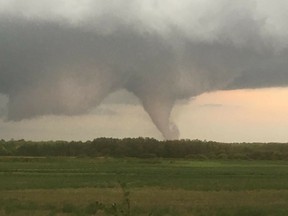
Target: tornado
[{"x": 65, "y": 57}]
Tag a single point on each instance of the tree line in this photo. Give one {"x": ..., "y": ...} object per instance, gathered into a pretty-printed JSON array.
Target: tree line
[{"x": 146, "y": 148}]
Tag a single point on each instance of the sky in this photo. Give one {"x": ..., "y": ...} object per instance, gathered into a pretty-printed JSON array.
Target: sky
[
  {"x": 78, "y": 70},
  {"x": 224, "y": 116}
]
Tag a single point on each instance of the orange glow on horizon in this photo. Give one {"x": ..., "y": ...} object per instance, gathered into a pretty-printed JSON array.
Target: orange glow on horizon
[
  {"x": 240, "y": 115},
  {"x": 260, "y": 102}
]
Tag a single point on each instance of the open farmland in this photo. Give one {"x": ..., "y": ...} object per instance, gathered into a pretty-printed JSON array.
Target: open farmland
[{"x": 81, "y": 186}]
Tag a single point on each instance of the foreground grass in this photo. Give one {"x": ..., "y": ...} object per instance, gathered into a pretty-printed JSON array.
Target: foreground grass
[
  {"x": 79, "y": 186},
  {"x": 146, "y": 201},
  {"x": 54, "y": 173}
]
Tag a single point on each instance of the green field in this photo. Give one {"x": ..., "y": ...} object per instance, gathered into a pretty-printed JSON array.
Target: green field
[{"x": 91, "y": 186}]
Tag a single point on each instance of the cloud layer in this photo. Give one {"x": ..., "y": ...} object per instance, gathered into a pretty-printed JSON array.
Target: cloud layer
[{"x": 65, "y": 57}]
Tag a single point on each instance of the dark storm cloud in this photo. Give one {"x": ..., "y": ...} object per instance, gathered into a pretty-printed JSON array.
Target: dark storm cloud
[{"x": 65, "y": 57}]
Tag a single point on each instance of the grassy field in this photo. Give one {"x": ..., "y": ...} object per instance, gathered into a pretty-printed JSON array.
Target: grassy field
[{"x": 91, "y": 186}]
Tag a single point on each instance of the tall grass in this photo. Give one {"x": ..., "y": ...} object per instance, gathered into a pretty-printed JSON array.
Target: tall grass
[{"x": 156, "y": 187}]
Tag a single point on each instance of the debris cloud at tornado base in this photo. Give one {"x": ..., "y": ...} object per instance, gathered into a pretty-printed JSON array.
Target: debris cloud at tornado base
[{"x": 64, "y": 57}]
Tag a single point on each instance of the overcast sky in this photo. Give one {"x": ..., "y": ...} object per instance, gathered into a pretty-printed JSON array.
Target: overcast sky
[{"x": 72, "y": 69}]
